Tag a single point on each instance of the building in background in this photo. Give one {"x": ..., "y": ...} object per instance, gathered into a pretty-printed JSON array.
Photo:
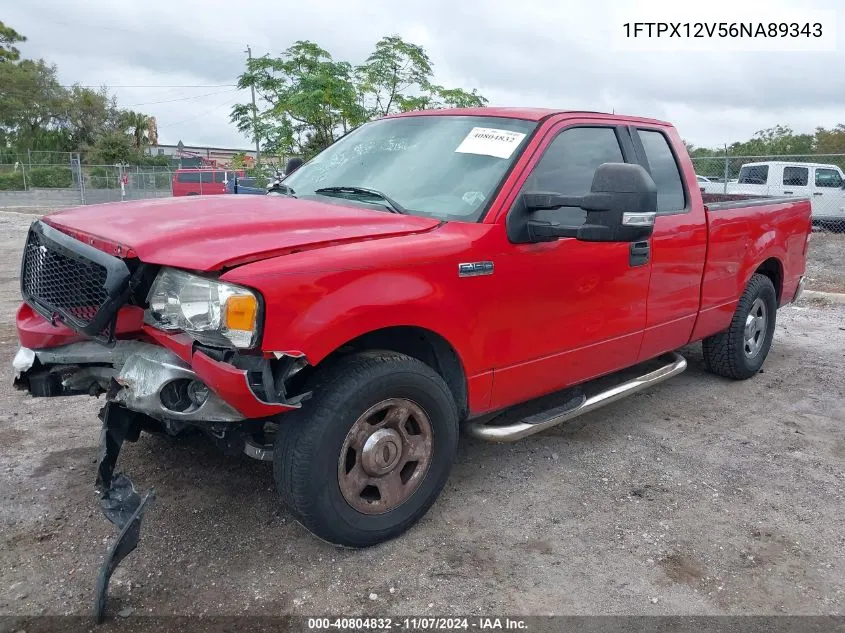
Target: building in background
[{"x": 194, "y": 156}]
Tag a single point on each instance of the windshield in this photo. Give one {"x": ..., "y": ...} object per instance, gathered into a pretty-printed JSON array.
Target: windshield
[{"x": 445, "y": 167}]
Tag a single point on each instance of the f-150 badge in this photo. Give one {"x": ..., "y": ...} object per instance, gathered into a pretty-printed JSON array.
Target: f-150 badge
[{"x": 474, "y": 269}]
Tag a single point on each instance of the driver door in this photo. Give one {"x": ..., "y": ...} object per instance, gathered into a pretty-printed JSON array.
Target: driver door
[{"x": 568, "y": 310}]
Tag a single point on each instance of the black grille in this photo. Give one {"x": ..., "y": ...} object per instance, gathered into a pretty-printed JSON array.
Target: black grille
[{"x": 67, "y": 280}]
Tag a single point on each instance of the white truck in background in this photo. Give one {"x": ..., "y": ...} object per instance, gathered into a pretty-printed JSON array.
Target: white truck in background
[
  {"x": 710, "y": 185},
  {"x": 823, "y": 184}
]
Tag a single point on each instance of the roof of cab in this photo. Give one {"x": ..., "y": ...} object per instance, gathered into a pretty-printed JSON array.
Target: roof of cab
[{"x": 529, "y": 114}]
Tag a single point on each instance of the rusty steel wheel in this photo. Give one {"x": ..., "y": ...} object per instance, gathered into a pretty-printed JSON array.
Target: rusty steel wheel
[
  {"x": 370, "y": 452},
  {"x": 385, "y": 456}
]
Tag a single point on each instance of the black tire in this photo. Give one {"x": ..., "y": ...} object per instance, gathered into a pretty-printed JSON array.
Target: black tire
[
  {"x": 309, "y": 442},
  {"x": 725, "y": 353}
]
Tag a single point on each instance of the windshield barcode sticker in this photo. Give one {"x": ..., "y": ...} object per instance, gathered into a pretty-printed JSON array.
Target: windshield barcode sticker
[{"x": 490, "y": 142}]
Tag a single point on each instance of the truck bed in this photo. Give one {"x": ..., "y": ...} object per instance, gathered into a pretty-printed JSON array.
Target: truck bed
[{"x": 743, "y": 231}]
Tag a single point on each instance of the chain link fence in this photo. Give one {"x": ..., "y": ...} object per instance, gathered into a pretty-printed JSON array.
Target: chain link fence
[
  {"x": 819, "y": 177},
  {"x": 55, "y": 179}
]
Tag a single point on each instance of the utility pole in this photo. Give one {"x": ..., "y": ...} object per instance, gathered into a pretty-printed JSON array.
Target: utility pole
[{"x": 254, "y": 114}]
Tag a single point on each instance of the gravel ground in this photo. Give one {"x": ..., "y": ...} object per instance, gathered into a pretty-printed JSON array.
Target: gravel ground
[
  {"x": 700, "y": 496},
  {"x": 826, "y": 262}
]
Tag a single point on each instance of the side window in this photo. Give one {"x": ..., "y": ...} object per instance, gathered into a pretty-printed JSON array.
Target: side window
[
  {"x": 753, "y": 174},
  {"x": 828, "y": 178},
  {"x": 796, "y": 176},
  {"x": 664, "y": 169},
  {"x": 187, "y": 176},
  {"x": 207, "y": 177},
  {"x": 568, "y": 165}
]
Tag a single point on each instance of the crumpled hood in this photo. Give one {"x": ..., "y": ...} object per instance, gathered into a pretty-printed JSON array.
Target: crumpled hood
[{"x": 214, "y": 232}]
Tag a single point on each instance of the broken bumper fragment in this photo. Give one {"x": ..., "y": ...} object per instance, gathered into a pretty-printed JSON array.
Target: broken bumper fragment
[
  {"x": 149, "y": 379},
  {"x": 120, "y": 502}
]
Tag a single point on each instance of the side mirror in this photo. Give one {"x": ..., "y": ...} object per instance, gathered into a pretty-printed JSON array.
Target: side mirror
[
  {"x": 292, "y": 165},
  {"x": 621, "y": 207}
]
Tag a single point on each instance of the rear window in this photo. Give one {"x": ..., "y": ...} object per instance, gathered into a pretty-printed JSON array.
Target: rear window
[
  {"x": 754, "y": 175},
  {"x": 796, "y": 176},
  {"x": 664, "y": 170},
  {"x": 828, "y": 178}
]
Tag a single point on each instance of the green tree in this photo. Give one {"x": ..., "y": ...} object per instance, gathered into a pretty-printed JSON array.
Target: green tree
[
  {"x": 38, "y": 113},
  {"x": 779, "y": 140},
  {"x": 309, "y": 95},
  {"x": 31, "y": 101},
  {"x": 308, "y": 99},
  {"x": 111, "y": 148},
  {"x": 394, "y": 68},
  {"x": 239, "y": 161},
  {"x": 8, "y": 38},
  {"x": 831, "y": 141},
  {"x": 138, "y": 126}
]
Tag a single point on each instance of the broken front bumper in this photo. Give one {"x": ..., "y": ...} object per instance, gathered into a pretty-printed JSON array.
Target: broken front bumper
[
  {"x": 149, "y": 379},
  {"x": 146, "y": 378}
]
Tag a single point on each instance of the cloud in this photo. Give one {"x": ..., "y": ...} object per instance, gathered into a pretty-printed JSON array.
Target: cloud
[{"x": 534, "y": 52}]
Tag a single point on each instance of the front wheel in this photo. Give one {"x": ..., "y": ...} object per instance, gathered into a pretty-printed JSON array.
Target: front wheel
[
  {"x": 739, "y": 351},
  {"x": 368, "y": 455}
]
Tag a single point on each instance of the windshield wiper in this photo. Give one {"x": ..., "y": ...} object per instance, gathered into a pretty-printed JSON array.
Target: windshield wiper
[{"x": 390, "y": 203}]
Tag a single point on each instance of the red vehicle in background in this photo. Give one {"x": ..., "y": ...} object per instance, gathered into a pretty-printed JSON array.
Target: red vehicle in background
[{"x": 202, "y": 182}]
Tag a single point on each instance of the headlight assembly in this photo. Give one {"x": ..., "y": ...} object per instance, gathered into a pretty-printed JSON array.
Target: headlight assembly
[{"x": 212, "y": 312}]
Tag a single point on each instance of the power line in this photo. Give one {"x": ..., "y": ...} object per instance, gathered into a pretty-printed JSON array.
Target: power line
[
  {"x": 210, "y": 94},
  {"x": 151, "y": 86},
  {"x": 199, "y": 114}
]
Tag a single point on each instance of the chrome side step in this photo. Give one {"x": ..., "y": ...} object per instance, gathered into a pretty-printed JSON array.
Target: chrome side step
[{"x": 528, "y": 426}]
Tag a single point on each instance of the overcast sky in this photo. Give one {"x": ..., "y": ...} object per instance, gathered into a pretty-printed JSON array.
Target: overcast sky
[{"x": 548, "y": 53}]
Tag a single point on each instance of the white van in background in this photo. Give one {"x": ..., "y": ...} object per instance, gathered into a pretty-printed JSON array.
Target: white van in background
[{"x": 823, "y": 184}]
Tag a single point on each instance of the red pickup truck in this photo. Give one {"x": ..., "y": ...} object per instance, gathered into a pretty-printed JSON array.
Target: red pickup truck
[{"x": 426, "y": 270}]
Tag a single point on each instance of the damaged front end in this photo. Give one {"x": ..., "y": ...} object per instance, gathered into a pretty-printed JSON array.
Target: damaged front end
[
  {"x": 148, "y": 388},
  {"x": 83, "y": 331}
]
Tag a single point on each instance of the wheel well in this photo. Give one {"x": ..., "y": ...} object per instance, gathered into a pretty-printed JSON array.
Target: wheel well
[
  {"x": 773, "y": 269},
  {"x": 424, "y": 345}
]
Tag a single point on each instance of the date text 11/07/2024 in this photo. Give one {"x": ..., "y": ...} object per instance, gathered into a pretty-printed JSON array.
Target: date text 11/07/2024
[
  {"x": 418, "y": 624},
  {"x": 723, "y": 29}
]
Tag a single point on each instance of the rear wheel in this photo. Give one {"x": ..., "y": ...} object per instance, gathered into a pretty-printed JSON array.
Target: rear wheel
[
  {"x": 739, "y": 351},
  {"x": 367, "y": 456}
]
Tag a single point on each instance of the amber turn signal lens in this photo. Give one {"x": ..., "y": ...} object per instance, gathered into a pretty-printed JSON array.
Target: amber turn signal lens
[{"x": 241, "y": 312}]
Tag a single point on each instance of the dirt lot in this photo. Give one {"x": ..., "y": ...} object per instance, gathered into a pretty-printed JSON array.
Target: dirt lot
[
  {"x": 826, "y": 265},
  {"x": 701, "y": 496}
]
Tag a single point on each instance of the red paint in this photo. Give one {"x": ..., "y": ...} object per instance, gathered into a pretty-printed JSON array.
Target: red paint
[
  {"x": 180, "y": 344},
  {"x": 230, "y": 384},
  {"x": 551, "y": 315},
  {"x": 201, "y": 182},
  {"x": 739, "y": 241},
  {"x": 212, "y": 233},
  {"x": 35, "y": 332}
]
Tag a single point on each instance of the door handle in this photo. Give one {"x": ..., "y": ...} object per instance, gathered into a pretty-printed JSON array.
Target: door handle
[
  {"x": 639, "y": 253},
  {"x": 818, "y": 193},
  {"x": 787, "y": 193}
]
